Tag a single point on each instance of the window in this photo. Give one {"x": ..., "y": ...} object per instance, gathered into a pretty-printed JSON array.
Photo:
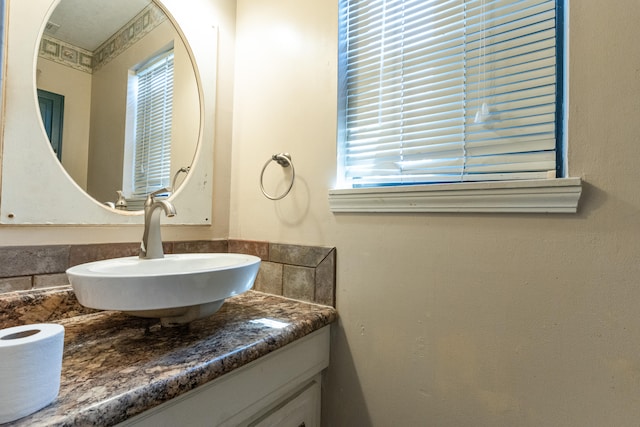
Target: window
[
  {"x": 449, "y": 91},
  {"x": 149, "y": 111}
]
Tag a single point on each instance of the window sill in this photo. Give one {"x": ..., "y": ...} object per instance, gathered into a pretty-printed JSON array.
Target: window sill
[{"x": 559, "y": 195}]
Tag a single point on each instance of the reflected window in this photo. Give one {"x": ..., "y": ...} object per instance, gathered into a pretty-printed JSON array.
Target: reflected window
[{"x": 149, "y": 111}]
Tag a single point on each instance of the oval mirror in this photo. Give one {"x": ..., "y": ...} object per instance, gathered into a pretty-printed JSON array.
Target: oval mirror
[{"x": 119, "y": 98}]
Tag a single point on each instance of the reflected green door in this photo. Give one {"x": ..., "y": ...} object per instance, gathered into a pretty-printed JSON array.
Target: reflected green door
[{"x": 52, "y": 111}]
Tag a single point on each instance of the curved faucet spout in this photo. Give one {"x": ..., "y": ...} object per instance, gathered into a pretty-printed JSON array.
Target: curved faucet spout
[
  {"x": 169, "y": 209},
  {"x": 151, "y": 245}
]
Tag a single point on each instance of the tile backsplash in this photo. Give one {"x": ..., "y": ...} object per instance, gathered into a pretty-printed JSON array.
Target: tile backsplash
[{"x": 306, "y": 273}]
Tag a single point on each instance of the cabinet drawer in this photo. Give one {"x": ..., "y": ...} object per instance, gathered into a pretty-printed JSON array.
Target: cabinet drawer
[{"x": 300, "y": 410}]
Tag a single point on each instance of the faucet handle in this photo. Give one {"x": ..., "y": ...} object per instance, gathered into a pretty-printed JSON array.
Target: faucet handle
[
  {"x": 152, "y": 195},
  {"x": 162, "y": 190}
]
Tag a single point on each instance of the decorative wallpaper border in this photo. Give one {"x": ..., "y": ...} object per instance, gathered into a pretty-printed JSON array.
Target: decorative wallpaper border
[
  {"x": 142, "y": 24},
  {"x": 83, "y": 60},
  {"x": 66, "y": 54},
  {"x": 306, "y": 273}
]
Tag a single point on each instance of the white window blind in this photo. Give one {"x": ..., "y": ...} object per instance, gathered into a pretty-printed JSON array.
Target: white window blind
[
  {"x": 153, "y": 115},
  {"x": 436, "y": 91}
]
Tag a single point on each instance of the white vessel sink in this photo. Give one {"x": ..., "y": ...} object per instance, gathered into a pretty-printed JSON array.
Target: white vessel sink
[{"x": 177, "y": 289}]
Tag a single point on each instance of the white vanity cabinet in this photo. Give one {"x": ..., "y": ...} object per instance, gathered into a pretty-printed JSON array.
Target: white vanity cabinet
[{"x": 280, "y": 389}]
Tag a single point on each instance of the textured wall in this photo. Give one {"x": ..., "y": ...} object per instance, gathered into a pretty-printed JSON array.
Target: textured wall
[{"x": 449, "y": 319}]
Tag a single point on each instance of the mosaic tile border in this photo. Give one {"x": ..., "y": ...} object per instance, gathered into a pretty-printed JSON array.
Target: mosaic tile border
[{"x": 306, "y": 273}]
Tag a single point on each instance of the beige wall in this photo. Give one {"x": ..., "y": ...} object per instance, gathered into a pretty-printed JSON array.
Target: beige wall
[
  {"x": 450, "y": 319},
  {"x": 75, "y": 86}
]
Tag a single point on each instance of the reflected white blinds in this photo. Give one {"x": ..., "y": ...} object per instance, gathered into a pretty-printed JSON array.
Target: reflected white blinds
[
  {"x": 154, "y": 109},
  {"x": 447, "y": 91}
]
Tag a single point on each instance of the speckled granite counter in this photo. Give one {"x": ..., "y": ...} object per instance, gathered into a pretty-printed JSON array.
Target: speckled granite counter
[{"x": 116, "y": 366}]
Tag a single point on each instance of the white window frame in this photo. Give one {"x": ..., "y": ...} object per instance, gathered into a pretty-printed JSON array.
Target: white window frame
[{"x": 551, "y": 195}]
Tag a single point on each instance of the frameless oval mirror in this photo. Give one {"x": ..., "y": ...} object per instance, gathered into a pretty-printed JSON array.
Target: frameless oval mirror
[{"x": 119, "y": 98}]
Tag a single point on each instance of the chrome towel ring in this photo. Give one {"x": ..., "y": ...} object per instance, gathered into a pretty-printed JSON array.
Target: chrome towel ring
[{"x": 284, "y": 160}]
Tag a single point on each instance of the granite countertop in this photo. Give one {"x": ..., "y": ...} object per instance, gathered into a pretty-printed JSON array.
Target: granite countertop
[{"x": 116, "y": 366}]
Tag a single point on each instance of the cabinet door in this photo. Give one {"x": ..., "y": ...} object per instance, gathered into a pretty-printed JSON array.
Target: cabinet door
[{"x": 301, "y": 410}]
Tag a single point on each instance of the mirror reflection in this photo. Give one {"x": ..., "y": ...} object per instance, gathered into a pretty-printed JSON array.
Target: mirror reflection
[{"x": 118, "y": 97}]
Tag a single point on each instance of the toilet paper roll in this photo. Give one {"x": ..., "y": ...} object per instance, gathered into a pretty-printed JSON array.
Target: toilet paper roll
[{"x": 30, "y": 366}]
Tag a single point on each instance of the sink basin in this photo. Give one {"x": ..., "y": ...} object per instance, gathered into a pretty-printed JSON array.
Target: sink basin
[{"x": 177, "y": 289}]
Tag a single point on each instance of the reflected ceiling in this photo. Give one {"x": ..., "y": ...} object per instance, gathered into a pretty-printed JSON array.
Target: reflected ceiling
[{"x": 75, "y": 21}]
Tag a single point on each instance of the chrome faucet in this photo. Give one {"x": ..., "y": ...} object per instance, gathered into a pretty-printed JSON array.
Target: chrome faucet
[{"x": 151, "y": 246}]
